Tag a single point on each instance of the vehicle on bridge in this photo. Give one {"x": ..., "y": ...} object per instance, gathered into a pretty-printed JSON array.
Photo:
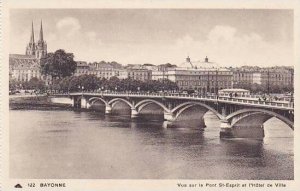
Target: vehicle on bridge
[{"x": 234, "y": 92}]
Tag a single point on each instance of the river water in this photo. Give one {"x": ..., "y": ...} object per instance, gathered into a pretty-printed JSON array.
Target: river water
[{"x": 91, "y": 145}]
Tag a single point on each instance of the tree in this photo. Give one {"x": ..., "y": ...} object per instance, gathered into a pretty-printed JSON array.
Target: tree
[
  {"x": 65, "y": 84},
  {"x": 58, "y": 64},
  {"x": 35, "y": 84},
  {"x": 114, "y": 83},
  {"x": 13, "y": 84},
  {"x": 88, "y": 82},
  {"x": 256, "y": 88}
]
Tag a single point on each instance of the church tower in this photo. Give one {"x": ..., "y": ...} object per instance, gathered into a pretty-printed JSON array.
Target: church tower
[
  {"x": 30, "y": 49},
  {"x": 41, "y": 47}
]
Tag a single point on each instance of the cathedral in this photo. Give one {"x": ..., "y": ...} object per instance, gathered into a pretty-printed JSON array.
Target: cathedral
[
  {"x": 24, "y": 67},
  {"x": 38, "y": 49}
]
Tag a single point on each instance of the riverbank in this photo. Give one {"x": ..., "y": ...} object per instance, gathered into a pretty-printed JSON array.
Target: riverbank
[{"x": 42, "y": 102}]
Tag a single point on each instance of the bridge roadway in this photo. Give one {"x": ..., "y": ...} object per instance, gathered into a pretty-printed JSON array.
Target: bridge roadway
[{"x": 239, "y": 116}]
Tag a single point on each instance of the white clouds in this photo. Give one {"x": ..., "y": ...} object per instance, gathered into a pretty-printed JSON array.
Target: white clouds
[
  {"x": 93, "y": 38},
  {"x": 69, "y": 34},
  {"x": 68, "y": 25},
  {"x": 70, "y": 28},
  {"x": 221, "y": 34},
  {"x": 225, "y": 45},
  {"x": 91, "y": 35},
  {"x": 186, "y": 41}
]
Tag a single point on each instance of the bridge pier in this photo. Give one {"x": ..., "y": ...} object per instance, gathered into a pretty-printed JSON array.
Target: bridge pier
[
  {"x": 73, "y": 102},
  {"x": 85, "y": 103},
  {"x": 248, "y": 131},
  {"x": 134, "y": 113},
  {"x": 108, "y": 109},
  {"x": 76, "y": 102},
  {"x": 242, "y": 131},
  {"x": 167, "y": 124},
  {"x": 169, "y": 116},
  {"x": 226, "y": 129}
]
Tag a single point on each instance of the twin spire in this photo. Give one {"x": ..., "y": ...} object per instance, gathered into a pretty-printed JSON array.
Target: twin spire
[
  {"x": 32, "y": 34},
  {"x": 41, "y": 39},
  {"x": 39, "y": 48},
  {"x": 41, "y": 32}
]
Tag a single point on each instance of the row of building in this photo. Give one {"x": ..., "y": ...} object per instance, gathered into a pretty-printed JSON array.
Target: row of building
[
  {"x": 274, "y": 76},
  {"x": 203, "y": 76},
  {"x": 206, "y": 77}
]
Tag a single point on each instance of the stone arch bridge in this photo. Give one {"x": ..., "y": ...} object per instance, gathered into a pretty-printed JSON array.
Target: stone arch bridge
[{"x": 239, "y": 117}]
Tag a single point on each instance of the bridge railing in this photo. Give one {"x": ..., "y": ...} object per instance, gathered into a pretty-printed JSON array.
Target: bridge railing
[
  {"x": 257, "y": 102},
  {"x": 242, "y": 100}
]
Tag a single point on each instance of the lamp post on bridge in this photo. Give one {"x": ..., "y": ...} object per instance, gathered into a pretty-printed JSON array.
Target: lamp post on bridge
[
  {"x": 207, "y": 89},
  {"x": 268, "y": 73},
  {"x": 292, "y": 83},
  {"x": 216, "y": 83},
  {"x": 81, "y": 88},
  {"x": 70, "y": 83}
]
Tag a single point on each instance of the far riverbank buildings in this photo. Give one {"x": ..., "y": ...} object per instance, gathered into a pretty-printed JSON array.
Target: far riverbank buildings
[
  {"x": 206, "y": 77},
  {"x": 245, "y": 76}
]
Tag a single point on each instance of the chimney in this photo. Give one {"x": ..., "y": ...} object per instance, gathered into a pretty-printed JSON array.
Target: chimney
[
  {"x": 206, "y": 59},
  {"x": 188, "y": 59}
]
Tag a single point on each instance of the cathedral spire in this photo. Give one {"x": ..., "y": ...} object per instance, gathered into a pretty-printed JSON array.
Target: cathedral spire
[
  {"x": 41, "y": 33},
  {"x": 32, "y": 34},
  {"x": 41, "y": 47}
]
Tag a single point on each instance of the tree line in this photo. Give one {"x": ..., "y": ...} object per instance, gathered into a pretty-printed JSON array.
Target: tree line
[{"x": 88, "y": 82}]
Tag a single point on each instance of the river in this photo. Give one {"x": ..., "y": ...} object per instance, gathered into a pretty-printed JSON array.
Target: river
[{"x": 91, "y": 145}]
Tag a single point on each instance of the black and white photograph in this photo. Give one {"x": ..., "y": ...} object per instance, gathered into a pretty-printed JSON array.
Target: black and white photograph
[{"x": 151, "y": 94}]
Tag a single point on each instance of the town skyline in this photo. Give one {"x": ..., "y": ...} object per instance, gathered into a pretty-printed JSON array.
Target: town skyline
[{"x": 260, "y": 43}]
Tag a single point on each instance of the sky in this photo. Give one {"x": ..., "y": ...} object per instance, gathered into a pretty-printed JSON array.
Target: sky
[{"x": 231, "y": 37}]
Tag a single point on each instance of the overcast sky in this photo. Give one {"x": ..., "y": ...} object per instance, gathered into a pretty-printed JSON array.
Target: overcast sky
[{"x": 157, "y": 36}]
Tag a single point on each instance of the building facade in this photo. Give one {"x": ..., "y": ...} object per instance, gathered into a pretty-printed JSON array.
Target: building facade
[
  {"x": 25, "y": 67},
  {"x": 136, "y": 74},
  {"x": 101, "y": 69},
  {"x": 277, "y": 76},
  {"x": 266, "y": 77},
  {"x": 203, "y": 78},
  {"x": 241, "y": 77},
  {"x": 108, "y": 70},
  {"x": 257, "y": 78}
]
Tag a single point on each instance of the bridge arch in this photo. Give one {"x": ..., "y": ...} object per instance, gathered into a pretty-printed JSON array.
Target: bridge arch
[
  {"x": 140, "y": 108},
  {"x": 140, "y": 105},
  {"x": 92, "y": 100},
  {"x": 111, "y": 102},
  {"x": 266, "y": 114},
  {"x": 250, "y": 118},
  {"x": 182, "y": 107}
]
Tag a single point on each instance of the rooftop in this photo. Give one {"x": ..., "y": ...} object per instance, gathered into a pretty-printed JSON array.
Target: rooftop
[{"x": 21, "y": 56}]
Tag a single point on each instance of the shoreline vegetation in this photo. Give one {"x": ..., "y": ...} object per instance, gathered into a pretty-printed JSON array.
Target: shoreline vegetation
[{"x": 40, "y": 102}]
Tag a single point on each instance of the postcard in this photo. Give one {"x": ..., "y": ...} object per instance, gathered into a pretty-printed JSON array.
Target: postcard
[{"x": 149, "y": 95}]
